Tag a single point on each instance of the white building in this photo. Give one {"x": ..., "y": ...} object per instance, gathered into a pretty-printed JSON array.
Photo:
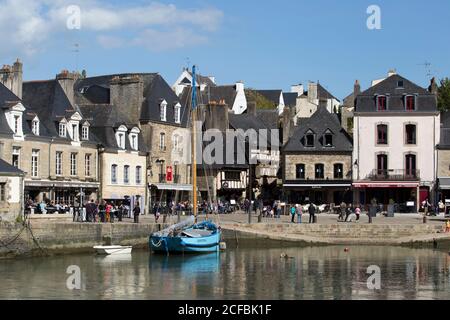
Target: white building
[
  {"x": 309, "y": 101},
  {"x": 185, "y": 81},
  {"x": 396, "y": 129}
]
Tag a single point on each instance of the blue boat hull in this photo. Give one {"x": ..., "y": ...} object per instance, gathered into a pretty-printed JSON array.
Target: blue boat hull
[{"x": 185, "y": 244}]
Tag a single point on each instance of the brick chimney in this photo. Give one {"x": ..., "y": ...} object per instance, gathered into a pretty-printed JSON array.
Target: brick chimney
[
  {"x": 216, "y": 116},
  {"x": 127, "y": 94},
  {"x": 251, "y": 108},
  {"x": 312, "y": 91},
  {"x": 66, "y": 80},
  {"x": 433, "y": 88},
  {"x": 298, "y": 89}
]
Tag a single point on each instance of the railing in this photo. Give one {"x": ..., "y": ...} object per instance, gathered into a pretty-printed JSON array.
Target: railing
[
  {"x": 162, "y": 178},
  {"x": 394, "y": 175}
]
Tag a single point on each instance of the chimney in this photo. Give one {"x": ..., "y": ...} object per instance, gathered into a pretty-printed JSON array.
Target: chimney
[
  {"x": 356, "y": 89},
  {"x": 312, "y": 91},
  {"x": 67, "y": 82},
  {"x": 392, "y": 72},
  {"x": 17, "y": 70},
  {"x": 127, "y": 94},
  {"x": 298, "y": 89},
  {"x": 433, "y": 88},
  {"x": 213, "y": 79},
  {"x": 216, "y": 116},
  {"x": 239, "y": 86},
  {"x": 251, "y": 108}
]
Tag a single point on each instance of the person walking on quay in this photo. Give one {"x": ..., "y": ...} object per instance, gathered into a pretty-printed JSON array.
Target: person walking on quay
[
  {"x": 426, "y": 206},
  {"x": 136, "y": 212},
  {"x": 90, "y": 211},
  {"x": 342, "y": 212},
  {"x": 108, "y": 212},
  {"x": 312, "y": 212},
  {"x": 299, "y": 210},
  {"x": 247, "y": 206},
  {"x": 156, "y": 212},
  {"x": 348, "y": 211},
  {"x": 102, "y": 211},
  {"x": 279, "y": 210},
  {"x": 357, "y": 212},
  {"x": 293, "y": 213}
]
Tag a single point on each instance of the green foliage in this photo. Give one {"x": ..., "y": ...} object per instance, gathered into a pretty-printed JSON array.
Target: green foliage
[
  {"x": 444, "y": 95},
  {"x": 19, "y": 219},
  {"x": 261, "y": 101}
]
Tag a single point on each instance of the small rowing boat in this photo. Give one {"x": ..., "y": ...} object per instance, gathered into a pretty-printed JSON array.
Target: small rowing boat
[{"x": 113, "y": 250}]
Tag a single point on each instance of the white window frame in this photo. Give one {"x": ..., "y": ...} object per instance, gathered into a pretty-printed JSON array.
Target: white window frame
[
  {"x": 163, "y": 111},
  {"x": 87, "y": 165},
  {"x": 126, "y": 174},
  {"x": 73, "y": 164},
  {"x": 35, "y": 127},
  {"x": 120, "y": 137},
  {"x": 138, "y": 175},
  {"x": 16, "y": 152},
  {"x": 114, "y": 172},
  {"x": 58, "y": 163},
  {"x": 84, "y": 133},
  {"x": 162, "y": 141},
  {"x": 35, "y": 163},
  {"x": 177, "y": 113},
  {"x": 63, "y": 129}
]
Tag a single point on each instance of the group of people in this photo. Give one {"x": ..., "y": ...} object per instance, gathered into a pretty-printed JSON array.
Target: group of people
[
  {"x": 348, "y": 213},
  {"x": 107, "y": 212}
]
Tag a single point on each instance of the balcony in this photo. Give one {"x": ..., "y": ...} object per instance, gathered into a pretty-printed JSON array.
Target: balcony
[
  {"x": 162, "y": 178},
  {"x": 394, "y": 175}
]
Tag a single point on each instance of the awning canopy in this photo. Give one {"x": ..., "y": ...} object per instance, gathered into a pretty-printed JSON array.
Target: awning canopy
[
  {"x": 386, "y": 184},
  {"x": 62, "y": 184},
  {"x": 173, "y": 187},
  {"x": 444, "y": 183},
  {"x": 317, "y": 186}
]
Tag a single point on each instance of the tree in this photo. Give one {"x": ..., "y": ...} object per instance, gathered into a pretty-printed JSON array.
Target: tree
[{"x": 444, "y": 95}]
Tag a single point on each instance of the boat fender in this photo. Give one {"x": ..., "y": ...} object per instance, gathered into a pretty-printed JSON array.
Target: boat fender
[{"x": 223, "y": 246}]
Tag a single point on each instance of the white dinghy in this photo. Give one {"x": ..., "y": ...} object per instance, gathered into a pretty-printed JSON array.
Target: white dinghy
[{"x": 113, "y": 250}]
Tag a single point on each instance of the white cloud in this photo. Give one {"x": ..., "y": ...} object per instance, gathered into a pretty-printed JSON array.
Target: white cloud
[{"x": 28, "y": 26}]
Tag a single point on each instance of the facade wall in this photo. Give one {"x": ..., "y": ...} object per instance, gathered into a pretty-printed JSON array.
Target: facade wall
[
  {"x": 12, "y": 206},
  {"x": 310, "y": 160},
  {"x": 366, "y": 148},
  {"x": 443, "y": 168}
]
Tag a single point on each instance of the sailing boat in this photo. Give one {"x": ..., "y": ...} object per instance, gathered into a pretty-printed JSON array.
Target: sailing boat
[{"x": 189, "y": 236}]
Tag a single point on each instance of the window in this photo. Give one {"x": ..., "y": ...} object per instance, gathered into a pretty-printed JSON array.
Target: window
[
  {"x": 162, "y": 141},
  {"x": 410, "y": 131},
  {"x": 328, "y": 140},
  {"x": 121, "y": 140},
  {"x": 177, "y": 113},
  {"x": 410, "y": 165},
  {"x": 73, "y": 164},
  {"x": 2, "y": 192},
  {"x": 400, "y": 84},
  {"x": 300, "y": 171},
  {"x": 16, "y": 124},
  {"x": 162, "y": 109},
  {"x": 381, "y": 103},
  {"x": 75, "y": 133},
  {"x": 382, "y": 134},
  {"x": 35, "y": 163},
  {"x": 62, "y": 130},
  {"x": 382, "y": 164},
  {"x": 338, "y": 171},
  {"x": 320, "y": 171},
  {"x": 126, "y": 174},
  {"x": 177, "y": 143},
  {"x": 310, "y": 140},
  {"x": 134, "y": 142},
  {"x": 58, "y": 163},
  {"x": 35, "y": 127},
  {"x": 87, "y": 165},
  {"x": 410, "y": 103},
  {"x": 138, "y": 175},
  {"x": 16, "y": 157},
  {"x": 114, "y": 174},
  {"x": 85, "y": 133},
  {"x": 232, "y": 176}
]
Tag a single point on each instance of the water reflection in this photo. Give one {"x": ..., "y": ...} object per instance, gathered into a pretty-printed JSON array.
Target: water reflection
[{"x": 310, "y": 273}]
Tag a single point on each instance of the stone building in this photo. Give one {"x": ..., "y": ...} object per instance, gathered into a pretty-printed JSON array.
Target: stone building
[
  {"x": 317, "y": 161},
  {"x": 148, "y": 101},
  {"x": 44, "y": 135},
  {"x": 122, "y": 155},
  {"x": 396, "y": 130},
  {"x": 443, "y": 159},
  {"x": 11, "y": 191}
]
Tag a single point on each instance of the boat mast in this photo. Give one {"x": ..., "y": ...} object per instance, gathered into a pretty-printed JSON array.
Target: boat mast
[{"x": 194, "y": 145}]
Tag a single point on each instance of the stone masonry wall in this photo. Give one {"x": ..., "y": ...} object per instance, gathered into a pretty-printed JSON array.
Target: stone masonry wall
[{"x": 310, "y": 160}]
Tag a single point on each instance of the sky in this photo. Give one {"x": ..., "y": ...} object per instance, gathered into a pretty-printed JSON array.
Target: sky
[{"x": 266, "y": 44}]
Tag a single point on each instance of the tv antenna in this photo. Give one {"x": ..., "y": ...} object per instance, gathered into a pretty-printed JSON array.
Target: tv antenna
[
  {"x": 427, "y": 66},
  {"x": 76, "y": 50}
]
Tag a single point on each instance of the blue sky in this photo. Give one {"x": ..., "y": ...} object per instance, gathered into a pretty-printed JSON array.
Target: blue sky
[{"x": 266, "y": 44}]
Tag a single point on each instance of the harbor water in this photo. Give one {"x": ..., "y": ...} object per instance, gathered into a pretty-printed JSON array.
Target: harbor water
[{"x": 312, "y": 273}]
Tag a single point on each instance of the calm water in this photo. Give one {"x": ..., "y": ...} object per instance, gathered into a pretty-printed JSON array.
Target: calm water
[{"x": 313, "y": 273}]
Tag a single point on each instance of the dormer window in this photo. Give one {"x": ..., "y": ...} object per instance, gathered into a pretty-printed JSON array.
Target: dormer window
[
  {"x": 309, "y": 142},
  {"x": 400, "y": 84},
  {"x": 120, "y": 136},
  {"x": 381, "y": 103},
  {"x": 85, "y": 132},
  {"x": 14, "y": 118},
  {"x": 177, "y": 113},
  {"x": 163, "y": 110},
  {"x": 328, "y": 139},
  {"x": 134, "y": 142},
  {"x": 410, "y": 103},
  {"x": 62, "y": 130},
  {"x": 35, "y": 127},
  {"x": 16, "y": 124}
]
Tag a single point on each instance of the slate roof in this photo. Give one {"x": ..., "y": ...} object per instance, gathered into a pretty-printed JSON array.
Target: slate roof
[
  {"x": 104, "y": 119},
  {"x": 210, "y": 94},
  {"x": 366, "y": 101},
  {"x": 318, "y": 123},
  {"x": 272, "y": 95},
  {"x": 203, "y": 80},
  {"x": 6, "y": 168},
  {"x": 269, "y": 117},
  {"x": 323, "y": 93},
  {"x": 290, "y": 99},
  {"x": 96, "y": 90}
]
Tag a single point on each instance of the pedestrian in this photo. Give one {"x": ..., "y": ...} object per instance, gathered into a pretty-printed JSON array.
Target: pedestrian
[
  {"x": 108, "y": 212},
  {"x": 279, "y": 209},
  {"x": 299, "y": 213},
  {"x": 247, "y": 206},
  {"x": 357, "y": 212},
  {"x": 348, "y": 211},
  {"x": 136, "y": 212},
  {"x": 102, "y": 211},
  {"x": 342, "y": 212},
  {"x": 90, "y": 211},
  {"x": 312, "y": 212},
  {"x": 425, "y": 206},
  {"x": 156, "y": 212},
  {"x": 293, "y": 212}
]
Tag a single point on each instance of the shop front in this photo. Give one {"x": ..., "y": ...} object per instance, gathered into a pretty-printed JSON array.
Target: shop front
[
  {"x": 405, "y": 196},
  {"x": 318, "y": 192}
]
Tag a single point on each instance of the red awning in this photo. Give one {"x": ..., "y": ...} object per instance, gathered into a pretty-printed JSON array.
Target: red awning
[{"x": 385, "y": 185}]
